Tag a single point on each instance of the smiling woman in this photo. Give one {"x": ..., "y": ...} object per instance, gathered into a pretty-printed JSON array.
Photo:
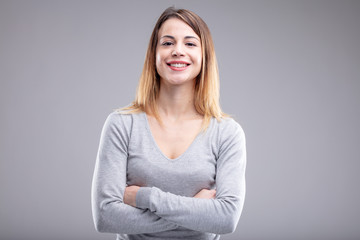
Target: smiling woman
[
  {"x": 178, "y": 54},
  {"x": 172, "y": 164}
]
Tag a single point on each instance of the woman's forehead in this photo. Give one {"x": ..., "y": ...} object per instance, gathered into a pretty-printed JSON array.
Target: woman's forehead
[{"x": 176, "y": 28}]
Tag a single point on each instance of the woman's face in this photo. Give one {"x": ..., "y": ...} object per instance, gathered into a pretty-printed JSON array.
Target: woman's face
[{"x": 178, "y": 53}]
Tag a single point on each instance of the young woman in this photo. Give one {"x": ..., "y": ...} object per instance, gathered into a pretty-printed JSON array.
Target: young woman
[{"x": 172, "y": 164}]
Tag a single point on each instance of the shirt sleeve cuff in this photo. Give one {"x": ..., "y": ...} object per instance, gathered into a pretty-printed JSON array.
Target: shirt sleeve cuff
[{"x": 143, "y": 197}]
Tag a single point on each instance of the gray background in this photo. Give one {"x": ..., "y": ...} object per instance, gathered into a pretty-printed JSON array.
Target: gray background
[{"x": 289, "y": 74}]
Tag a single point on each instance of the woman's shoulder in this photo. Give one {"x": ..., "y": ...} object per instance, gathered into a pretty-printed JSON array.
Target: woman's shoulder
[
  {"x": 228, "y": 126},
  {"x": 227, "y": 123},
  {"x": 123, "y": 117}
]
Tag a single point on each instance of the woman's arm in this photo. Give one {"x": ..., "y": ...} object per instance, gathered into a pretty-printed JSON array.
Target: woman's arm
[
  {"x": 110, "y": 213},
  {"x": 219, "y": 215},
  {"x": 131, "y": 191}
]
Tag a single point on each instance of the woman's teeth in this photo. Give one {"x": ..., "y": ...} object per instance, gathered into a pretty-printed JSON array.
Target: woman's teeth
[{"x": 178, "y": 65}]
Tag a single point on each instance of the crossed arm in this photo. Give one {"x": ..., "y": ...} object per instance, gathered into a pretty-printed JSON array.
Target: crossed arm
[
  {"x": 118, "y": 208},
  {"x": 130, "y": 194}
]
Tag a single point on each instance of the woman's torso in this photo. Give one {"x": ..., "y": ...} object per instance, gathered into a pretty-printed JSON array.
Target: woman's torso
[{"x": 186, "y": 175}]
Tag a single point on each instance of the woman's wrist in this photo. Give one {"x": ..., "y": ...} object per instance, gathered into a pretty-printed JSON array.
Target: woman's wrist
[
  {"x": 143, "y": 197},
  {"x": 130, "y": 195}
]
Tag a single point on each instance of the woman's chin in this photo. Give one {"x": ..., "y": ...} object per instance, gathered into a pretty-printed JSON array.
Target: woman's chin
[{"x": 177, "y": 81}]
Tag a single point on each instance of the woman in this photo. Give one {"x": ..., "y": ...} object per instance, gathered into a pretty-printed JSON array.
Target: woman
[{"x": 172, "y": 164}]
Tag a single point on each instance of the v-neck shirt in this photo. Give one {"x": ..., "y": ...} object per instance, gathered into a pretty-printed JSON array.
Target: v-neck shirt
[
  {"x": 165, "y": 206},
  {"x": 147, "y": 123}
]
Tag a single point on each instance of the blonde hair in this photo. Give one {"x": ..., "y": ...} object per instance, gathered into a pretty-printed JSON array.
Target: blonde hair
[{"x": 206, "y": 94}]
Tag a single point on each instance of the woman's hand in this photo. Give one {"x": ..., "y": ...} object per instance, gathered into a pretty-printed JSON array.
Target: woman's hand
[
  {"x": 206, "y": 193},
  {"x": 130, "y": 195}
]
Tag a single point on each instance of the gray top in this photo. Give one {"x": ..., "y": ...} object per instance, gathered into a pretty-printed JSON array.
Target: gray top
[{"x": 166, "y": 209}]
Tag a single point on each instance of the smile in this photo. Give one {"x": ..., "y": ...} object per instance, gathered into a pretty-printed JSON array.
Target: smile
[{"x": 178, "y": 66}]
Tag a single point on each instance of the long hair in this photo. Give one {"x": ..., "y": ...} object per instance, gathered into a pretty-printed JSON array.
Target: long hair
[{"x": 206, "y": 94}]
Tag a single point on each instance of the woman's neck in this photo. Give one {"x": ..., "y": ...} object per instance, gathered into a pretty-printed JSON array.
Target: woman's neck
[{"x": 176, "y": 102}]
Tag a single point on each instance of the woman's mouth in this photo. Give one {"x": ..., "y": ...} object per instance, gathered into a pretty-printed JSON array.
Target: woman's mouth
[{"x": 178, "y": 65}]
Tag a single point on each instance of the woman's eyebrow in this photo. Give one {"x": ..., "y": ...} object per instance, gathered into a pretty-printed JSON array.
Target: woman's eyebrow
[
  {"x": 168, "y": 36},
  {"x": 186, "y": 37},
  {"x": 192, "y": 37}
]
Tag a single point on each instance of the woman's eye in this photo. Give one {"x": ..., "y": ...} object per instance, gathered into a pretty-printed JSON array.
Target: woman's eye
[
  {"x": 166, "y": 43},
  {"x": 191, "y": 44}
]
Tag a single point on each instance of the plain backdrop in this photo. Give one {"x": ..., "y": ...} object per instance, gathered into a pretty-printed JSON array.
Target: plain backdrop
[{"x": 290, "y": 75}]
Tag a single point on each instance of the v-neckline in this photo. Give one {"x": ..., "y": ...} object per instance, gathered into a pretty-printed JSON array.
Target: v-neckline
[{"x": 147, "y": 124}]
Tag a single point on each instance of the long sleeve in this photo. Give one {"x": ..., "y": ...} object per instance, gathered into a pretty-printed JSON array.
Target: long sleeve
[
  {"x": 219, "y": 215},
  {"x": 110, "y": 214}
]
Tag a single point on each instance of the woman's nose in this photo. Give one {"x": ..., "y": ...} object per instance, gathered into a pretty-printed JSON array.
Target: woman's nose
[{"x": 177, "y": 51}]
